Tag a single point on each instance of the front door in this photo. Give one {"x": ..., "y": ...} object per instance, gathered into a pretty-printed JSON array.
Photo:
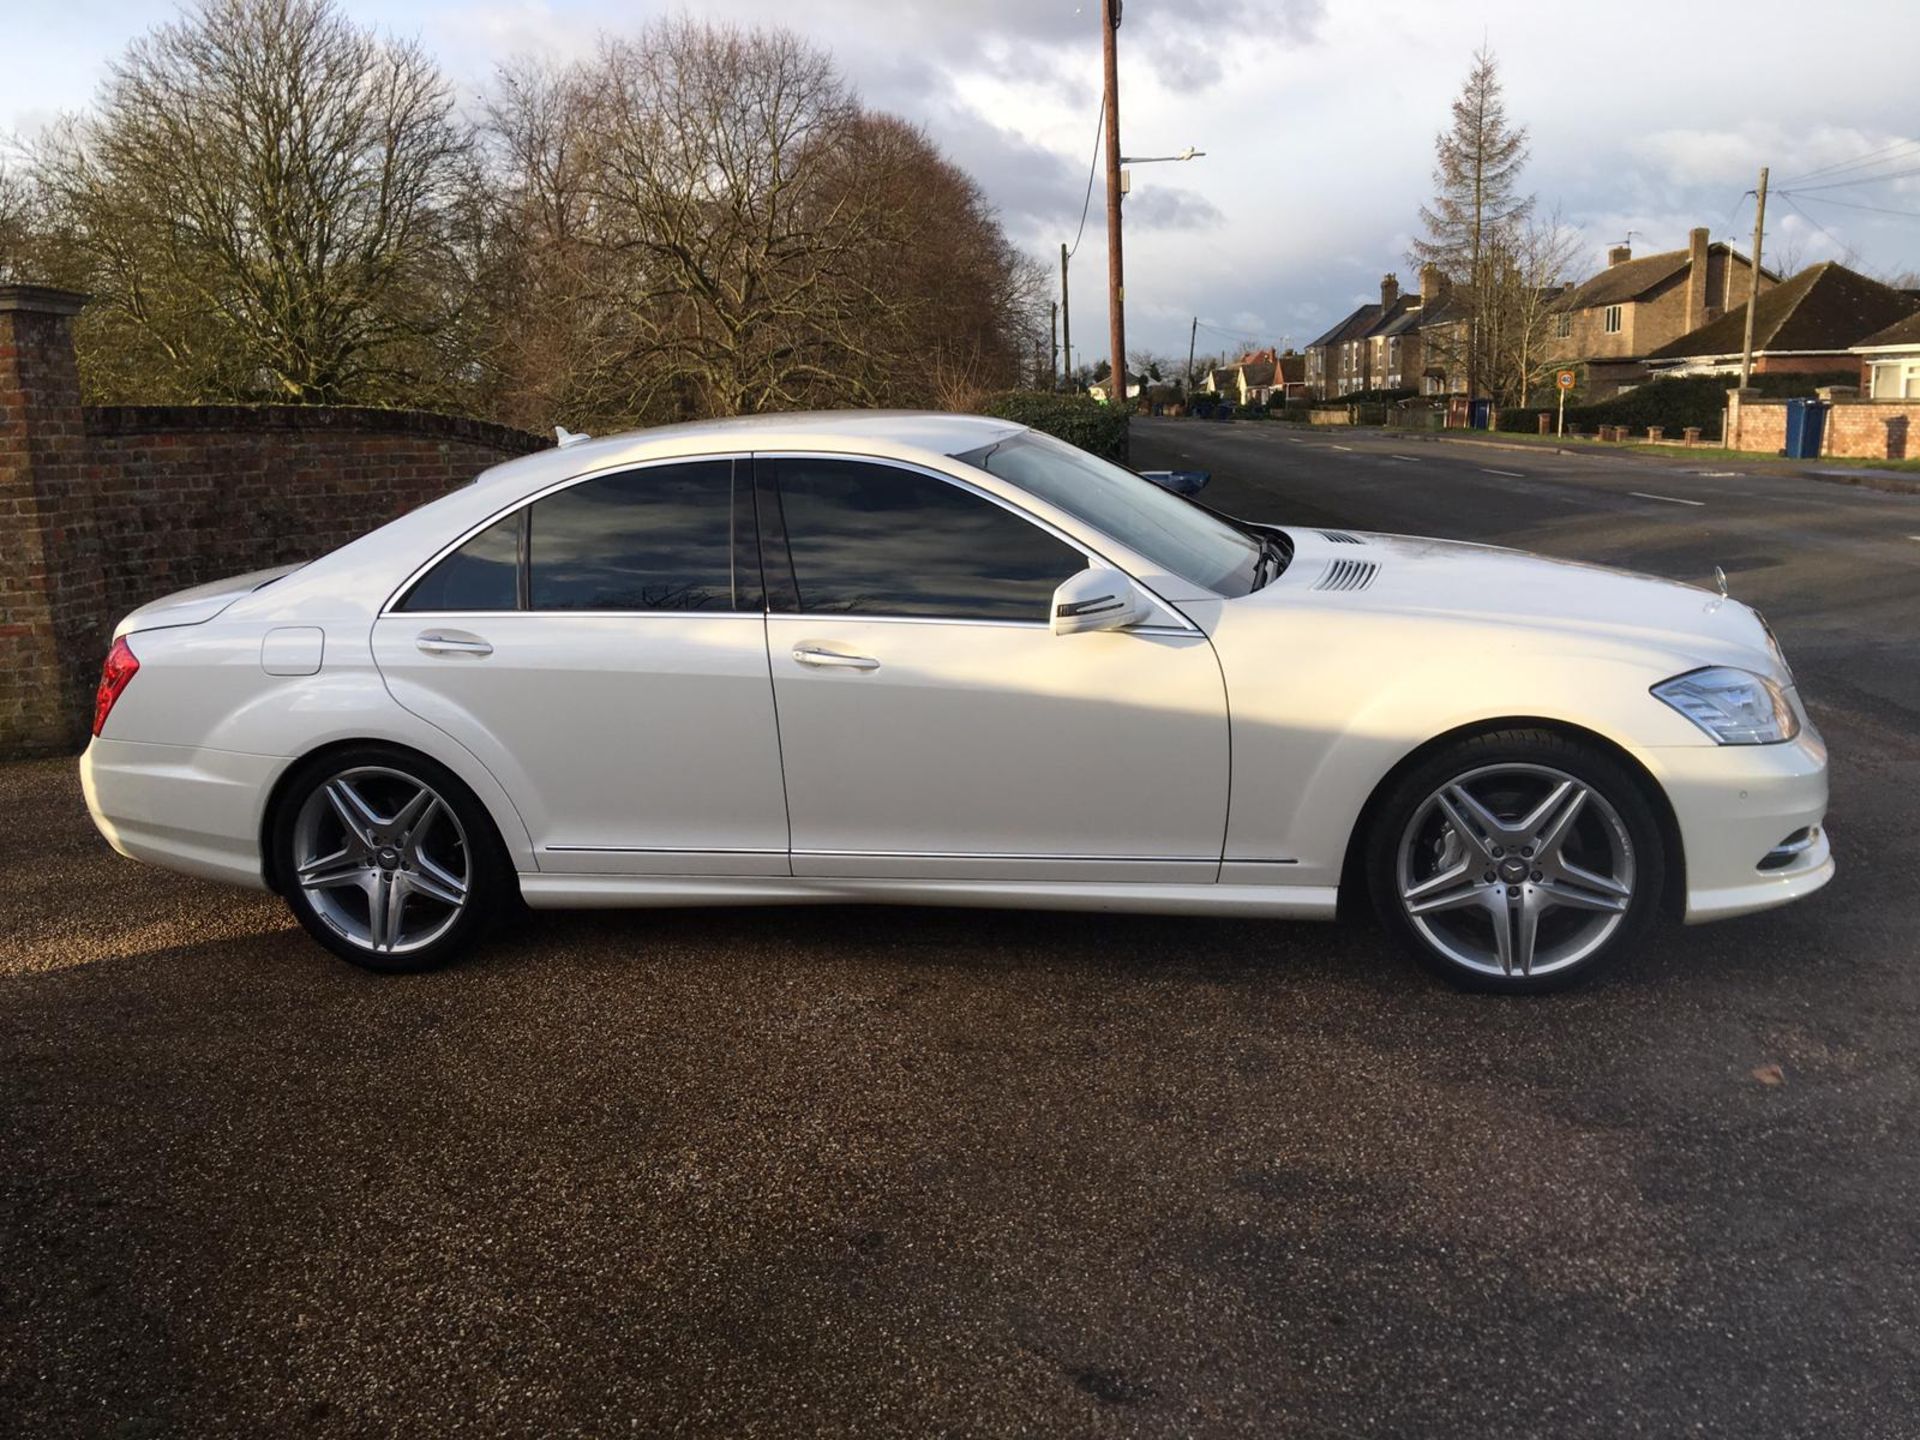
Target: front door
[
  {"x": 602, "y": 650},
  {"x": 933, "y": 727}
]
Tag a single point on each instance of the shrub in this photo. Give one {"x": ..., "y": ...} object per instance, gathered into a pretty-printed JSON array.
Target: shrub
[
  {"x": 1078, "y": 419},
  {"x": 1368, "y": 397}
]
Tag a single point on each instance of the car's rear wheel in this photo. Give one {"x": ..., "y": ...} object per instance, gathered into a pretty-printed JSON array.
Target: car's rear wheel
[
  {"x": 387, "y": 859},
  {"x": 1517, "y": 861}
]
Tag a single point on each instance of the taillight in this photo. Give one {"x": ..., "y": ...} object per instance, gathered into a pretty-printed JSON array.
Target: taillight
[{"x": 114, "y": 675}]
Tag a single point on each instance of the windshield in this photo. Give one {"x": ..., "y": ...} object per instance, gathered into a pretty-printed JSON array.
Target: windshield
[{"x": 1181, "y": 538}]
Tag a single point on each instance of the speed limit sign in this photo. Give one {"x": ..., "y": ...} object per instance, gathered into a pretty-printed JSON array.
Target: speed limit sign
[{"x": 1564, "y": 380}]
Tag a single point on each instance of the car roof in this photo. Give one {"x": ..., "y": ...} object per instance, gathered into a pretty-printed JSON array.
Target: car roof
[{"x": 925, "y": 431}]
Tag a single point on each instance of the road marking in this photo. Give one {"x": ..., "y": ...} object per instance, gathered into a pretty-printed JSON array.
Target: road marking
[
  {"x": 1347, "y": 448},
  {"x": 1718, "y": 474},
  {"x": 1408, "y": 458},
  {"x": 1510, "y": 474},
  {"x": 1642, "y": 495}
]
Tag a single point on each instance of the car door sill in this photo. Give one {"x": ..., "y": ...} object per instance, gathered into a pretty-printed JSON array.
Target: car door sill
[{"x": 564, "y": 891}]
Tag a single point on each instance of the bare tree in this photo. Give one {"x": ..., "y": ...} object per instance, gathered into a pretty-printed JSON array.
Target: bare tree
[
  {"x": 702, "y": 221},
  {"x": 1535, "y": 265},
  {"x": 18, "y": 227},
  {"x": 257, "y": 204},
  {"x": 1477, "y": 205}
]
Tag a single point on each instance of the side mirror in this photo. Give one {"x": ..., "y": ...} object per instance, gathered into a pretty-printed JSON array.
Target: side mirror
[{"x": 1096, "y": 599}]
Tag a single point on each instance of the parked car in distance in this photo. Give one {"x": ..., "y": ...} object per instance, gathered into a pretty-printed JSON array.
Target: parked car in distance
[{"x": 935, "y": 659}]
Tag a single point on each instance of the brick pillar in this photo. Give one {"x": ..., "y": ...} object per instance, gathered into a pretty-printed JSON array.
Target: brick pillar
[{"x": 51, "y": 589}]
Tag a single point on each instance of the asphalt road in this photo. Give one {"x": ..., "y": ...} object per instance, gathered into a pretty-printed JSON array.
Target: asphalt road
[{"x": 917, "y": 1172}]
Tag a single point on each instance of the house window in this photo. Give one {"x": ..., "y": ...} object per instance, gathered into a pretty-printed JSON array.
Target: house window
[
  {"x": 1563, "y": 326},
  {"x": 1895, "y": 380},
  {"x": 1613, "y": 319}
]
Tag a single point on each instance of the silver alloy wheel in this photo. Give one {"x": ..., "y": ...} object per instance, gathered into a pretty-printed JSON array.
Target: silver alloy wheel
[
  {"x": 382, "y": 859},
  {"x": 1515, "y": 870}
]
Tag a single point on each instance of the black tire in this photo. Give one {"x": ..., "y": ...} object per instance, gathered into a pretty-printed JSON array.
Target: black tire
[
  {"x": 491, "y": 886},
  {"x": 1411, "y": 830}
]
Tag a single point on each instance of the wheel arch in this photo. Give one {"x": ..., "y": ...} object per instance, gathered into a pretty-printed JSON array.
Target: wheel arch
[
  {"x": 277, "y": 796},
  {"x": 1353, "y": 884}
]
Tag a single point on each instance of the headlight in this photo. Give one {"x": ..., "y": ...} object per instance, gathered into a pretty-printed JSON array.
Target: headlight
[{"x": 1735, "y": 707}]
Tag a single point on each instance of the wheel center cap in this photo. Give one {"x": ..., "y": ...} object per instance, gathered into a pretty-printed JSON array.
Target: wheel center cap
[
  {"x": 388, "y": 857},
  {"x": 1513, "y": 869}
]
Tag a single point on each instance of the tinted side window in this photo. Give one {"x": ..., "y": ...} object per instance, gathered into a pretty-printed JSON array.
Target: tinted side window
[
  {"x": 653, "y": 539},
  {"x": 481, "y": 575},
  {"x": 873, "y": 540}
]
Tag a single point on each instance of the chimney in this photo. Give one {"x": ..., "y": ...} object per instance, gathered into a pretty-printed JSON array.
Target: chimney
[
  {"x": 1433, "y": 286},
  {"x": 1619, "y": 255},
  {"x": 1697, "y": 253},
  {"x": 1389, "y": 292}
]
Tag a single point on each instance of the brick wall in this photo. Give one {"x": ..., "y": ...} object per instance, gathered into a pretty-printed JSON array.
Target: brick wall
[
  {"x": 102, "y": 510},
  {"x": 187, "y": 494},
  {"x": 1859, "y": 429}
]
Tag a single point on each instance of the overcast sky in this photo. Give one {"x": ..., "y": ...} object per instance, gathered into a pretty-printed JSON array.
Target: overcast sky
[{"x": 1317, "y": 116}]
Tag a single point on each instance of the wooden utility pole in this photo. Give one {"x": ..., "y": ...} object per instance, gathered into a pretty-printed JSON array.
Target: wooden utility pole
[
  {"x": 1116, "y": 272},
  {"x": 1753, "y": 287},
  {"x": 1192, "y": 335},
  {"x": 1066, "y": 322},
  {"x": 1053, "y": 346}
]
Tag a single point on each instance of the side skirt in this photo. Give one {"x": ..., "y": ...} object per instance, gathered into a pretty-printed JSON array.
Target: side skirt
[{"x": 562, "y": 892}]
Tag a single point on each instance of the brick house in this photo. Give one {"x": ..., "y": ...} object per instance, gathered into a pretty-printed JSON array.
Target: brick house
[
  {"x": 1612, "y": 323},
  {"x": 1806, "y": 325},
  {"x": 1337, "y": 362},
  {"x": 1257, "y": 375},
  {"x": 1890, "y": 360},
  {"x": 1393, "y": 341}
]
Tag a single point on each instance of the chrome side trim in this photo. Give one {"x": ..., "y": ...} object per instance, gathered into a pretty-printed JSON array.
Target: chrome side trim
[
  {"x": 1298, "y": 902},
  {"x": 651, "y": 850},
  {"x": 1011, "y": 855}
]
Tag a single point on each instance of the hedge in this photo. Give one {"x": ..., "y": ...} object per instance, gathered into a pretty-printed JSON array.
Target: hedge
[
  {"x": 1675, "y": 402},
  {"x": 1078, "y": 419},
  {"x": 1366, "y": 397}
]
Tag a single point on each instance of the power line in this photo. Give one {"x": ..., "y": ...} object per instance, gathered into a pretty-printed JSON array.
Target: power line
[
  {"x": 1859, "y": 180},
  {"x": 1853, "y": 205},
  {"x": 1099, "y": 128},
  {"x": 1847, "y": 252},
  {"x": 1841, "y": 166}
]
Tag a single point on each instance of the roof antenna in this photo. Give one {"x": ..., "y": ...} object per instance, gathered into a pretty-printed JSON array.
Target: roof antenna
[
  {"x": 1720, "y": 579},
  {"x": 566, "y": 437}
]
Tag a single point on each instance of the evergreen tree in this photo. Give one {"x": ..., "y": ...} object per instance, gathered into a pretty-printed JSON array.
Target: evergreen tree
[{"x": 1477, "y": 207}]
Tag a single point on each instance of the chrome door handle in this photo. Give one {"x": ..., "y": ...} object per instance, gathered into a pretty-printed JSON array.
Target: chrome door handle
[
  {"x": 434, "y": 643},
  {"x": 812, "y": 655}
]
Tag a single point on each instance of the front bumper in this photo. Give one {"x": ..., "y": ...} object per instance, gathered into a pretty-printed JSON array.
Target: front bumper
[
  {"x": 1736, "y": 804},
  {"x": 189, "y": 809}
]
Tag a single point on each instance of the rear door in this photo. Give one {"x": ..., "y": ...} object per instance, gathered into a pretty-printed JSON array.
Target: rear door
[
  {"x": 933, "y": 726},
  {"x": 602, "y": 650}
]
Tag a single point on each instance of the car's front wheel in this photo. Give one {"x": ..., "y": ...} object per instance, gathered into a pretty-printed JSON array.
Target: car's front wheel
[
  {"x": 1517, "y": 861},
  {"x": 387, "y": 859}
]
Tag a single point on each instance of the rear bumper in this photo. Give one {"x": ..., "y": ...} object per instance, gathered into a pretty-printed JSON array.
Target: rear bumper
[
  {"x": 184, "y": 808},
  {"x": 1735, "y": 804}
]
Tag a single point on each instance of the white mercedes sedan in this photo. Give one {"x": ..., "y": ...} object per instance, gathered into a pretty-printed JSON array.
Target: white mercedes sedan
[{"x": 946, "y": 660}]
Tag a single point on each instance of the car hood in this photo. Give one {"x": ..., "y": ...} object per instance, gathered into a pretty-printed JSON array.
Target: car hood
[
  {"x": 200, "y": 603},
  {"x": 1411, "y": 576}
]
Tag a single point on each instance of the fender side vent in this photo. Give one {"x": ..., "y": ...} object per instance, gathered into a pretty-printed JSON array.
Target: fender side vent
[
  {"x": 1340, "y": 537},
  {"x": 1347, "y": 575}
]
